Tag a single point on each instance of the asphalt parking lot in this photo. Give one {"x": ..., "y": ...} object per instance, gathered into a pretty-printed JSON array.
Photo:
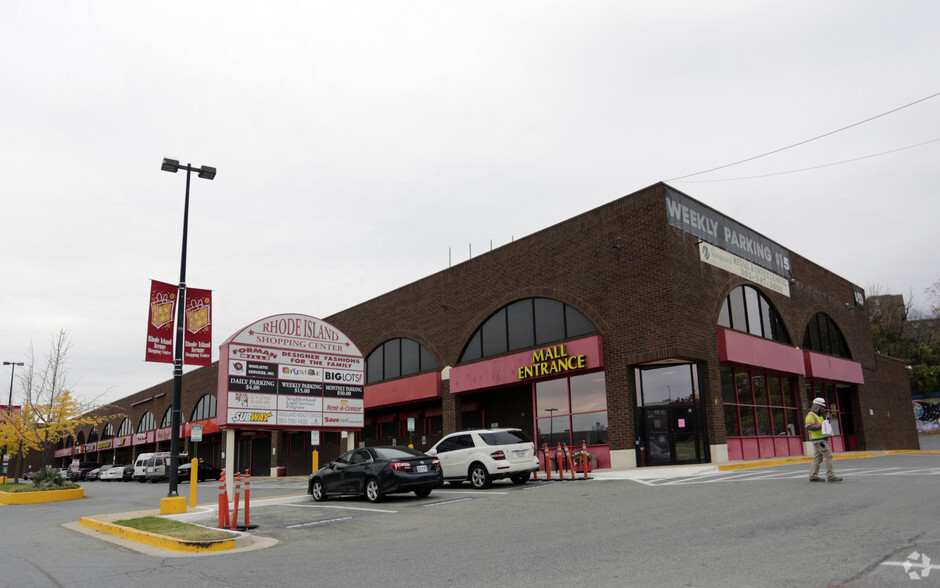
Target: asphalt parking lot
[{"x": 759, "y": 527}]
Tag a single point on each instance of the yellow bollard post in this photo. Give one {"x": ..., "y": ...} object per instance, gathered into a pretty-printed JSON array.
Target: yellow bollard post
[
  {"x": 193, "y": 480},
  {"x": 316, "y": 460}
]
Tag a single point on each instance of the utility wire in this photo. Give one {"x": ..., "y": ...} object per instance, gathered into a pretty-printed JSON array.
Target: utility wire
[
  {"x": 805, "y": 141},
  {"x": 793, "y": 171}
]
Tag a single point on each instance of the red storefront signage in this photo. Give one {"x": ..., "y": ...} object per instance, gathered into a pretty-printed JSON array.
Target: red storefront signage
[{"x": 572, "y": 357}]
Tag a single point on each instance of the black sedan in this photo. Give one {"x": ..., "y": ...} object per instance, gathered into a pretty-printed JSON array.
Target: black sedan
[
  {"x": 374, "y": 472},
  {"x": 205, "y": 472}
]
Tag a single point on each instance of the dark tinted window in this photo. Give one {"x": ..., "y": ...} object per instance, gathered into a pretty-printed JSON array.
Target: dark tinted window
[
  {"x": 521, "y": 324},
  {"x": 392, "y": 359},
  {"x": 494, "y": 334},
  {"x": 549, "y": 320},
  {"x": 396, "y": 358},
  {"x": 823, "y": 335},
  {"x": 524, "y": 324},
  {"x": 505, "y": 437},
  {"x": 747, "y": 310}
]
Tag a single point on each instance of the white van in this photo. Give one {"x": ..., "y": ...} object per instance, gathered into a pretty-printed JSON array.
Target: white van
[{"x": 140, "y": 466}]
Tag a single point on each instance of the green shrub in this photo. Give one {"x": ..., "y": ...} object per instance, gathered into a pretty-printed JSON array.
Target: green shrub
[{"x": 47, "y": 478}]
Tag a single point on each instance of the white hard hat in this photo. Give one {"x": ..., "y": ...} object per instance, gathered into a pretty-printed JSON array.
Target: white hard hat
[{"x": 820, "y": 401}]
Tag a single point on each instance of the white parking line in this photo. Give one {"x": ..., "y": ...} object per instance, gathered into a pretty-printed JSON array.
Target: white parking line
[{"x": 343, "y": 508}]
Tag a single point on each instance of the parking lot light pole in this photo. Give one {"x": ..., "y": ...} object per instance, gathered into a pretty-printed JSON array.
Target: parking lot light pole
[
  {"x": 207, "y": 173},
  {"x": 12, "y": 365}
]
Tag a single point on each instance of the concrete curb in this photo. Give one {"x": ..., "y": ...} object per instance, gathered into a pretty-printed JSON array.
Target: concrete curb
[
  {"x": 103, "y": 524},
  {"x": 41, "y": 496}
]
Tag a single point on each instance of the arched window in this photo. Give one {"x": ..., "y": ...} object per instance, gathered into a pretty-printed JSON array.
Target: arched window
[
  {"x": 108, "y": 432},
  {"x": 80, "y": 438},
  {"x": 205, "y": 408},
  {"x": 93, "y": 436},
  {"x": 126, "y": 428},
  {"x": 147, "y": 423},
  {"x": 526, "y": 323},
  {"x": 168, "y": 416},
  {"x": 396, "y": 358},
  {"x": 746, "y": 309},
  {"x": 824, "y": 336},
  {"x": 69, "y": 441}
]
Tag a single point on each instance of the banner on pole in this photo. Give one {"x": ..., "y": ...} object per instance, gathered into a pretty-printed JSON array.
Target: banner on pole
[
  {"x": 160, "y": 325},
  {"x": 198, "y": 341}
]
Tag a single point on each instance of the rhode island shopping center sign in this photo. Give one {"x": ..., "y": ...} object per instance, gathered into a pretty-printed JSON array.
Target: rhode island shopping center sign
[{"x": 290, "y": 371}]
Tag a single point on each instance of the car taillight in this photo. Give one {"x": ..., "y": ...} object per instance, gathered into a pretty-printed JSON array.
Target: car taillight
[
  {"x": 436, "y": 464},
  {"x": 498, "y": 454},
  {"x": 401, "y": 466}
]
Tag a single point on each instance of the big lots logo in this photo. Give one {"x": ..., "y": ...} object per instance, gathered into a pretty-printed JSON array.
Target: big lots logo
[{"x": 354, "y": 377}]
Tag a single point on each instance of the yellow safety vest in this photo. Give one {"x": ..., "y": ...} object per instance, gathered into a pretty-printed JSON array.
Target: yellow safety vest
[{"x": 814, "y": 419}]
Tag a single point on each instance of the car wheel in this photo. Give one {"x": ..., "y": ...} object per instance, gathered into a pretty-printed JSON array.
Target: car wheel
[
  {"x": 520, "y": 478},
  {"x": 373, "y": 491},
  {"x": 479, "y": 477},
  {"x": 423, "y": 493},
  {"x": 316, "y": 490}
]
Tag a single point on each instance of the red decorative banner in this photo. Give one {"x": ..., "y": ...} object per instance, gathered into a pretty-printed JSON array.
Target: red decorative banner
[
  {"x": 197, "y": 348},
  {"x": 160, "y": 325}
]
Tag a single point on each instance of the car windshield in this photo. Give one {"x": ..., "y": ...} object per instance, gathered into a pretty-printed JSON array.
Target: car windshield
[
  {"x": 505, "y": 437},
  {"x": 396, "y": 452}
]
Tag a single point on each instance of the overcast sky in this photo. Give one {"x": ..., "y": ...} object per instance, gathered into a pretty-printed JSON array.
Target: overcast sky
[{"x": 361, "y": 145}]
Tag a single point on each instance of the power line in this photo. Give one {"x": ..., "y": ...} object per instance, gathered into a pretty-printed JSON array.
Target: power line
[
  {"x": 805, "y": 141},
  {"x": 793, "y": 171}
]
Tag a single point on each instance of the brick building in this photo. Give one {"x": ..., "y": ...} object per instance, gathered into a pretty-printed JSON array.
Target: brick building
[{"x": 654, "y": 329}]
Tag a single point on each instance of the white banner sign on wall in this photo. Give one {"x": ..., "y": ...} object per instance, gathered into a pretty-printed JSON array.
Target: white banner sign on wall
[{"x": 741, "y": 267}]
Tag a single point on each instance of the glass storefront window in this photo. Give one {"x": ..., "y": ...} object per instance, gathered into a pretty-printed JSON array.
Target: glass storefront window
[
  {"x": 589, "y": 427},
  {"x": 674, "y": 384},
  {"x": 588, "y": 393},
  {"x": 763, "y": 407},
  {"x": 551, "y": 394},
  {"x": 572, "y": 410}
]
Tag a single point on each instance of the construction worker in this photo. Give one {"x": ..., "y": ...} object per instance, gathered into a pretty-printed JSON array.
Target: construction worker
[{"x": 814, "y": 424}]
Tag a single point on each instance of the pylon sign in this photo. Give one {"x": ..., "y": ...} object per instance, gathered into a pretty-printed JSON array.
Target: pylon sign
[{"x": 290, "y": 371}]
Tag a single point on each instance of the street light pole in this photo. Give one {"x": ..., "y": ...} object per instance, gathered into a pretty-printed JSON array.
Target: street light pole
[
  {"x": 12, "y": 365},
  {"x": 551, "y": 425},
  {"x": 208, "y": 173}
]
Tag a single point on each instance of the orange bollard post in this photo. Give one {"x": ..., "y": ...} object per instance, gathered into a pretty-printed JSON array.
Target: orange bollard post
[
  {"x": 247, "y": 497},
  {"x": 584, "y": 460},
  {"x": 548, "y": 461},
  {"x": 223, "y": 503},
  {"x": 569, "y": 461},
  {"x": 559, "y": 461},
  {"x": 238, "y": 484}
]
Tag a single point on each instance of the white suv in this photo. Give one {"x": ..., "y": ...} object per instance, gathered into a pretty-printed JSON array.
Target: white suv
[{"x": 484, "y": 455}]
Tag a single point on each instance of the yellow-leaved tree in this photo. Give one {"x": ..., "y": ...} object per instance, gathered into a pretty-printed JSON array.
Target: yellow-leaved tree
[{"x": 49, "y": 410}]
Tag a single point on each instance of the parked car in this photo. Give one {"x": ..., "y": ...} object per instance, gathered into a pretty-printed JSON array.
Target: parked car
[
  {"x": 91, "y": 475},
  {"x": 128, "y": 474},
  {"x": 158, "y": 466},
  {"x": 78, "y": 472},
  {"x": 484, "y": 455},
  {"x": 374, "y": 472},
  {"x": 205, "y": 471},
  {"x": 114, "y": 472}
]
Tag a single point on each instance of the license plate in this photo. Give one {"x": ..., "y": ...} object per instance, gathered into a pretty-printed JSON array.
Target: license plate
[
  {"x": 422, "y": 469},
  {"x": 520, "y": 452}
]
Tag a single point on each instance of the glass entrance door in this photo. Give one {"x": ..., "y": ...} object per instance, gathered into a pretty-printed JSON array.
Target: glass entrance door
[{"x": 671, "y": 435}]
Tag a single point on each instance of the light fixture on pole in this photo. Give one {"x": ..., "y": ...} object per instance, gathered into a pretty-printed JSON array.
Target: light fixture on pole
[
  {"x": 207, "y": 173},
  {"x": 12, "y": 365},
  {"x": 551, "y": 425}
]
